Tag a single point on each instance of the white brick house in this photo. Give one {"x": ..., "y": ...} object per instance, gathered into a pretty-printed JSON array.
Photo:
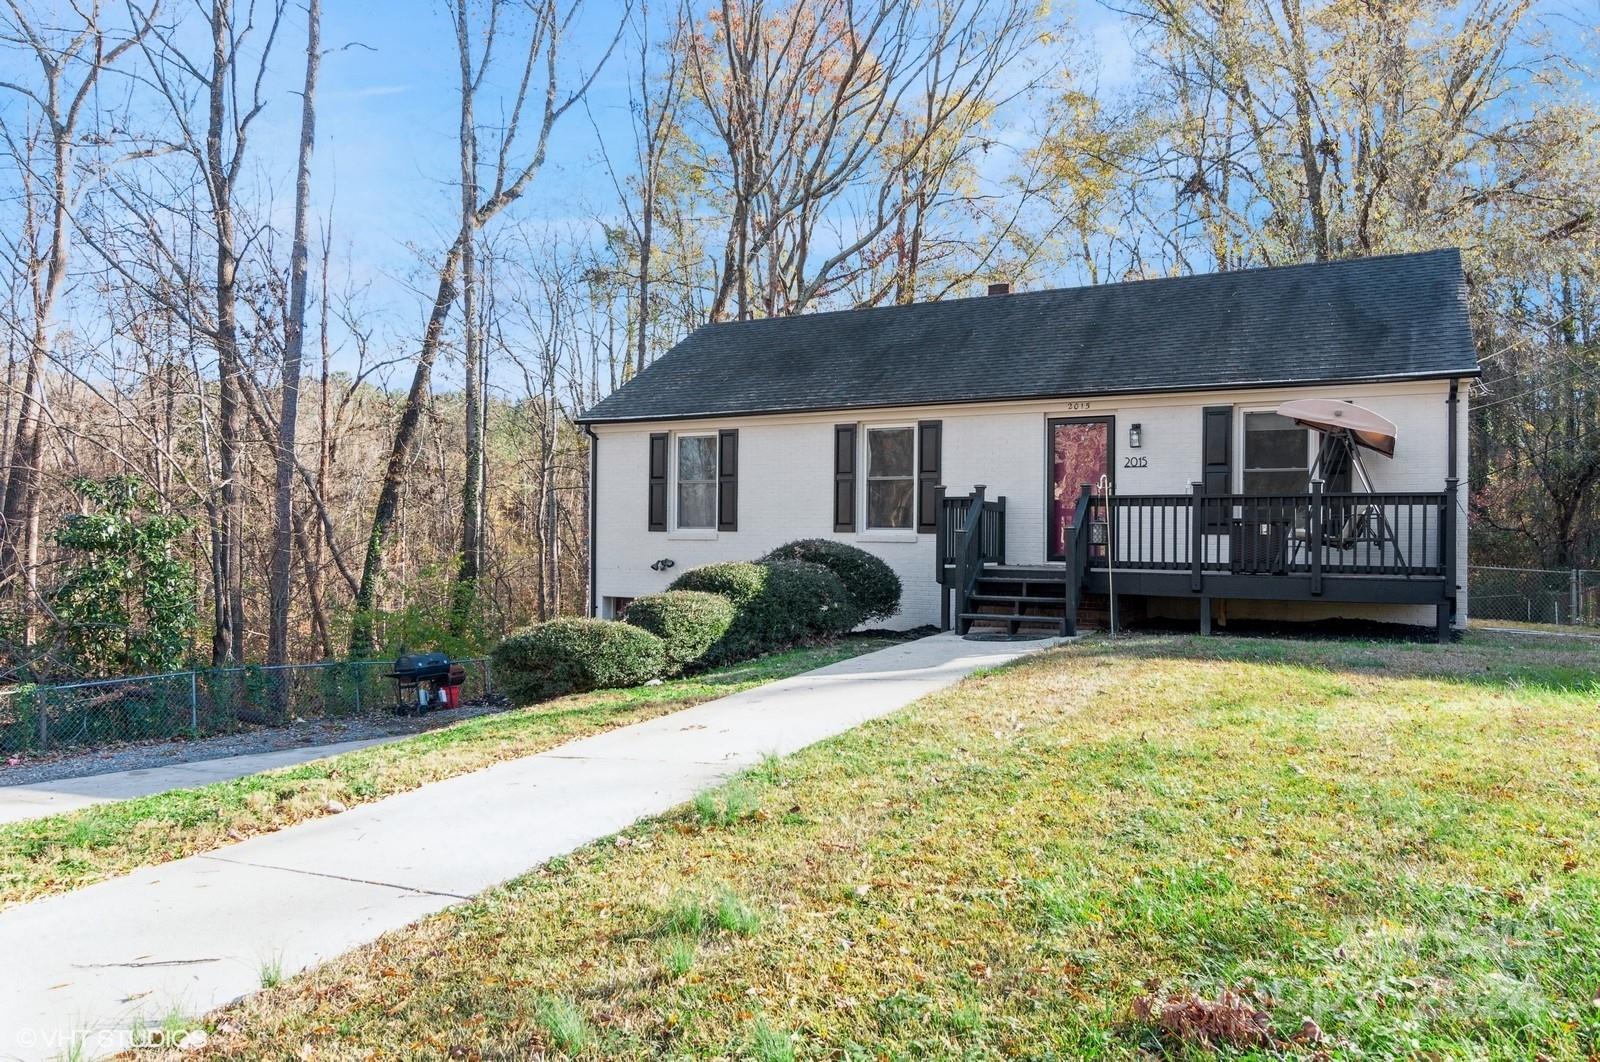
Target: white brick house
[{"x": 875, "y": 427}]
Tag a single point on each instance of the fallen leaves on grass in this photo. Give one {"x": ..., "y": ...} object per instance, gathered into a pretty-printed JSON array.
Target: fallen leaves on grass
[{"x": 1232, "y": 1019}]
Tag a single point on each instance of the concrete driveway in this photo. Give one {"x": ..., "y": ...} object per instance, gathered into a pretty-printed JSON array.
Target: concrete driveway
[{"x": 190, "y": 935}]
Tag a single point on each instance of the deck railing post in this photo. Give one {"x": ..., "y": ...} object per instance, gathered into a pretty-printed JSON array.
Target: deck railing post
[
  {"x": 968, "y": 555},
  {"x": 1314, "y": 535},
  {"x": 1000, "y": 529},
  {"x": 1197, "y": 536},
  {"x": 940, "y": 532},
  {"x": 1447, "y": 557},
  {"x": 959, "y": 581}
]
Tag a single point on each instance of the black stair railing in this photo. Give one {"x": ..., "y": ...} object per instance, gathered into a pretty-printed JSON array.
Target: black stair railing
[
  {"x": 1077, "y": 560},
  {"x": 969, "y": 557},
  {"x": 969, "y": 533}
]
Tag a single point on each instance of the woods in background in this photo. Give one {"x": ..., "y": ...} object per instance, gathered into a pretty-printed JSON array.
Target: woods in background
[{"x": 343, "y": 475}]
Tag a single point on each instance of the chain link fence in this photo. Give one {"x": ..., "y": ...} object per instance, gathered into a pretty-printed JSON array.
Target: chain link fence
[
  {"x": 1568, "y": 597},
  {"x": 202, "y": 703}
]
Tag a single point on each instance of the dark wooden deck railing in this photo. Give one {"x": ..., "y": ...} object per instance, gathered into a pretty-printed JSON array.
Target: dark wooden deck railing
[
  {"x": 952, "y": 518},
  {"x": 1405, "y": 534},
  {"x": 1320, "y": 533},
  {"x": 969, "y": 533}
]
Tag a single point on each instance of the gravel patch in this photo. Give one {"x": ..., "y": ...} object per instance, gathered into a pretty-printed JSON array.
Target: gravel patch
[{"x": 77, "y": 763}]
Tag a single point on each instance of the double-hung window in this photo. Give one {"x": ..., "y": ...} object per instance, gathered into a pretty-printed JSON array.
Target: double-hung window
[
  {"x": 697, "y": 482},
  {"x": 891, "y": 478}
]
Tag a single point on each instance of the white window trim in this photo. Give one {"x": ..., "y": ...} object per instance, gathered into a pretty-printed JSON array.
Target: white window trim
[
  {"x": 1239, "y": 466},
  {"x": 864, "y": 462},
  {"x": 689, "y": 534}
]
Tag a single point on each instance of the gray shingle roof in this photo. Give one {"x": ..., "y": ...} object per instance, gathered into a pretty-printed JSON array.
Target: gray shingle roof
[{"x": 1389, "y": 317}]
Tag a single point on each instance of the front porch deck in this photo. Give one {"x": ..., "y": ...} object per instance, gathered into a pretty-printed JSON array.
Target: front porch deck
[{"x": 1387, "y": 548}]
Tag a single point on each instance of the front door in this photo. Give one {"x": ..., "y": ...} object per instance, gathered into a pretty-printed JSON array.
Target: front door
[{"x": 1079, "y": 453}]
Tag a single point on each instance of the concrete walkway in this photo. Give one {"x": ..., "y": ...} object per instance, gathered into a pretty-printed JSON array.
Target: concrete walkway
[
  {"x": 35, "y": 800},
  {"x": 190, "y": 935}
]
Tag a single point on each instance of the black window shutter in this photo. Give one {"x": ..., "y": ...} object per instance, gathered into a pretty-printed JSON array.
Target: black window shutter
[
  {"x": 658, "y": 481},
  {"x": 728, "y": 480},
  {"x": 1216, "y": 450},
  {"x": 844, "y": 477},
  {"x": 930, "y": 464}
]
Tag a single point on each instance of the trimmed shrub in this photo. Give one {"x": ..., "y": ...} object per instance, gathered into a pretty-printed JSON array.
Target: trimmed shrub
[
  {"x": 738, "y": 581},
  {"x": 871, "y": 583},
  {"x": 776, "y": 605},
  {"x": 573, "y": 656},
  {"x": 688, "y": 622}
]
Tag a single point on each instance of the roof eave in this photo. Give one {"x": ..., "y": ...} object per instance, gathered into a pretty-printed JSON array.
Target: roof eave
[{"x": 1432, "y": 374}]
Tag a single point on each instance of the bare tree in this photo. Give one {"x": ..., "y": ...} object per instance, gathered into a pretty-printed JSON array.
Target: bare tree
[
  {"x": 229, "y": 86},
  {"x": 510, "y": 179},
  {"x": 828, "y": 109},
  {"x": 284, "y": 526},
  {"x": 69, "y": 70},
  {"x": 472, "y": 482}
]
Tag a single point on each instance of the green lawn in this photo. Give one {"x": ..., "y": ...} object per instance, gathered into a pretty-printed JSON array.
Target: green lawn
[
  {"x": 1394, "y": 843},
  {"x": 65, "y": 852}
]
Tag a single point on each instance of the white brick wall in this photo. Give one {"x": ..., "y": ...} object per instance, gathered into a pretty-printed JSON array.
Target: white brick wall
[{"x": 786, "y": 480}]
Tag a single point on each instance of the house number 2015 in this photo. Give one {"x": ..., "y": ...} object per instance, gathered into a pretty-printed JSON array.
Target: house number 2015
[{"x": 1135, "y": 462}]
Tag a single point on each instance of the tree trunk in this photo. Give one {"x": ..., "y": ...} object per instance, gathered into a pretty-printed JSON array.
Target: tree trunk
[
  {"x": 363, "y": 641},
  {"x": 20, "y": 544},
  {"x": 227, "y": 637},
  {"x": 283, "y": 538},
  {"x": 471, "y": 564}
]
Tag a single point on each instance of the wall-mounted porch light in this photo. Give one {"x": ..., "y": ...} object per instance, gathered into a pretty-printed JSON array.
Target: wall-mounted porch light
[{"x": 1135, "y": 437}]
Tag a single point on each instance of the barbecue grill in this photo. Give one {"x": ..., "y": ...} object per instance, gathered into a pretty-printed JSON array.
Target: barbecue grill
[{"x": 427, "y": 681}]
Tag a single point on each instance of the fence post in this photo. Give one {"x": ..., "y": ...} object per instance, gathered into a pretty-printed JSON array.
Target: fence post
[
  {"x": 358, "y": 678},
  {"x": 1573, "y": 616},
  {"x": 194, "y": 703},
  {"x": 488, "y": 683},
  {"x": 44, "y": 724}
]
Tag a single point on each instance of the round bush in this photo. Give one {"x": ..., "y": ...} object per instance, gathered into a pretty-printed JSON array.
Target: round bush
[
  {"x": 871, "y": 583},
  {"x": 688, "y": 622},
  {"x": 776, "y": 604},
  {"x": 572, "y": 656},
  {"x": 738, "y": 581}
]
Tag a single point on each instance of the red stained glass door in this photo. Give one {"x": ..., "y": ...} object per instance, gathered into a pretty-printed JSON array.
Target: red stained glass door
[{"x": 1080, "y": 452}]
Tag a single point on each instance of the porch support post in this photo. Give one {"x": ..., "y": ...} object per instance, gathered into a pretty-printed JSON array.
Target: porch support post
[
  {"x": 1205, "y": 614},
  {"x": 1447, "y": 556},
  {"x": 1314, "y": 536},
  {"x": 1000, "y": 528},
  {"x": 1197, "y": 536}
]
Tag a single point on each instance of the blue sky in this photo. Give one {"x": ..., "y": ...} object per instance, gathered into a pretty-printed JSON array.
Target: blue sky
[
  {"x": 387, "y": 130},
  {"x": 386, "y": 154}
]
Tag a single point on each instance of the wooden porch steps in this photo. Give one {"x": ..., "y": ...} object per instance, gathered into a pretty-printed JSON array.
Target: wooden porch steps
[{"x": 1015, "y": 601}]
